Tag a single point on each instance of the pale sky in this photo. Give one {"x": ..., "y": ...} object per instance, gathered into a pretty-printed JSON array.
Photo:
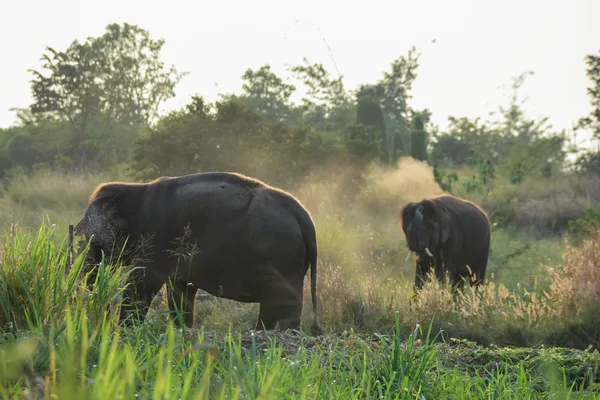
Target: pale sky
[{"x": 479, "y": 46}]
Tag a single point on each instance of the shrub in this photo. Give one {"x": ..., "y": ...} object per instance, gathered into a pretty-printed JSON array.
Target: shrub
[
  {"x": 37, "y": 288},
  {"x": 578, "y": 284},
  {"x": 586, "y": 227}
]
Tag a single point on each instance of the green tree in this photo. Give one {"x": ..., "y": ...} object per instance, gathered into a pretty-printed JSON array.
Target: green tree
[
  {"x": 198, "y": 107},
  {"x": 589, "y": 161},
  {"x": 464, "y": 137},
  {"x": 117, "y": 78},
  {"x": 96, "y": 96},
  {"x": 419, "y": 139},
  {"x": 392, "y": 92},
  {"x": 369, "y": 114},
  {"x": 363, "y": 142},
  {"x": 395, "y": 87},
  {"x": 510, "y": 139},
  {"x": 326, "y": 106},
  {"x": 592, "y": 121},
  {"x": 231, "y": 135},
  {"x": 268, "y": 93},
  {"x": 528, "y": 145},
  {"x": 21, "y": 150}
]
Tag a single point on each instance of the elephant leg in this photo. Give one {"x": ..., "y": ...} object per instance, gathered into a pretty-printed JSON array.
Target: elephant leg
[
  {"x": 137, "y": 296},
  {"x": 290, "y": 312},
  {"x": 422, "y": 269},
  {"x": 281, "y": 302},
  {"x": 479, "y": 272},
  {"x": 456, "y": 274},
  {"x": 438, "y": 265},
  {"x": 292, "y": 317},
  {"x": 457, "y": 281},
  {"x": 287, "y": 314},
  {"x": 267, "y": 316},
  {"x": 181, "y": 297}
]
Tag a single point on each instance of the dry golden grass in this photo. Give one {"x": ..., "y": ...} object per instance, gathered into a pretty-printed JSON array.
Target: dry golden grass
[
  {"x": 578, "y": 283},
  {"x": 362, "y": 275},
  {"x": 60, "y": 197}
]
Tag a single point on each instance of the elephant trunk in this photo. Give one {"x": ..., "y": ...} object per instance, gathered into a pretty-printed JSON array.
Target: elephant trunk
[{"x": 413, "y": 236}]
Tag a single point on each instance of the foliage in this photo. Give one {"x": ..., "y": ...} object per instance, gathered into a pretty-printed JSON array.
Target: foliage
[
  {"x": 326, "y": 105},
  {"x": 511, "y": 139},
  {"x": 418, "y": 139},
  {"x": 98, "y": 94},
  {"x": 481, "y": 182},
  {"x": 586, "y": 227},
  {"x": 77, "y": 121},
  {"x": 118, "y": 75},
  {"x": 360, "y": 287},
  {"x": 392, "y": 92},
  {"x": 22, "y": 150},
  {"x": 363, "y": 142},
  {"x": 393, "y": 89},
  {"x": 232, "y": 135},
  {"x": 463, "y": 138},
  {"x": 593, "y": 72},
  {"x": 368, "y": 114},
  {"x": 589, "y": 160},
  {"x": 269, "y": 94},
  {"x": 445, "y": 180},
  {"x": 493, "y": 162}
]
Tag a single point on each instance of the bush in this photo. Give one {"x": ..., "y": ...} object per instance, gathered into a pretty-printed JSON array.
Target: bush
[
  {"x": 37, "y": 287},
  {"x": 234, "y": 138},
  {"x": 586, "y": 227}
]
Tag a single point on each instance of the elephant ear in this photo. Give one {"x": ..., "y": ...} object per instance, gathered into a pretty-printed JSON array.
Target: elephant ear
[
  {"x": 445, "y": 227},
  {"x": 406, "y": 214},
  {"x": 120, "y": 222},
  {"x": 108, "y": 202}
]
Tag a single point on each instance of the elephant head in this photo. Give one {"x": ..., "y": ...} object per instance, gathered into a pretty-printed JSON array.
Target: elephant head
[
  {"x": 105, "y": 224},
  {"x": 426, "y": 226}
]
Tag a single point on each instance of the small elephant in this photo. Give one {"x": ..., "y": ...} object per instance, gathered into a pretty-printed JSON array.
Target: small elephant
[
  {"x": 450, "y": 234},
  {"x": 250, "y": 243}
]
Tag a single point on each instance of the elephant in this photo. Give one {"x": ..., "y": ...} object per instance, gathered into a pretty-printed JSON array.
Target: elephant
[
  {"x": 251, "y": 243},
  {"x": 450, "y": 234}
]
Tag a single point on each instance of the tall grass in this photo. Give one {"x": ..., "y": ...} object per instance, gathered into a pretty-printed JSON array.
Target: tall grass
[
  {"x": 56, "y": 197},
  {"x": 62, "y": 342}
]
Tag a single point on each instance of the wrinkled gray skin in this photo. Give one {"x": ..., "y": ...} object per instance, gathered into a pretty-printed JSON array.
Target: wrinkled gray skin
[
  {"x": 450, "y": 235},
  {"x": 254, "y": 243}
]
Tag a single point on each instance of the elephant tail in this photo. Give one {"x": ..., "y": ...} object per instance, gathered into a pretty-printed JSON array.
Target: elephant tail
[
  {"x": 307, "y": 228},
  {"x": 312, "y": 256},
  {"x": 310, "y": 241}
]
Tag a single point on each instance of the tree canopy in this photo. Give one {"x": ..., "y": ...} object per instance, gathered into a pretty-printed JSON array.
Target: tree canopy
[{"x": 96, "y": 104}]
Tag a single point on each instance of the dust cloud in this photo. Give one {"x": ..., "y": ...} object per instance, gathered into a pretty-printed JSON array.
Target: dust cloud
[
  {"x": 356, "y": 211},
  {"x": 411, "y": 180},
  {"x": 361, "y": 247}
]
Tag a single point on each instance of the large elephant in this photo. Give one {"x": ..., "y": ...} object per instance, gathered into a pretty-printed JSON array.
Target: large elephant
[
  {"x": 253, "y": 243},
  {"x": 450, "y": 234}
]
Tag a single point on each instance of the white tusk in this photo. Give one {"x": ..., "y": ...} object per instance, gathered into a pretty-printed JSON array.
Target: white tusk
[
  {"x": 428, "y": 252},
  {"x": 408, "y": 256}
]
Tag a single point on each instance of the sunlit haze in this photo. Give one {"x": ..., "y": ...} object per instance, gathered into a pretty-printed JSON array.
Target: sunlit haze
[{"x": 470, "y": 49}]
